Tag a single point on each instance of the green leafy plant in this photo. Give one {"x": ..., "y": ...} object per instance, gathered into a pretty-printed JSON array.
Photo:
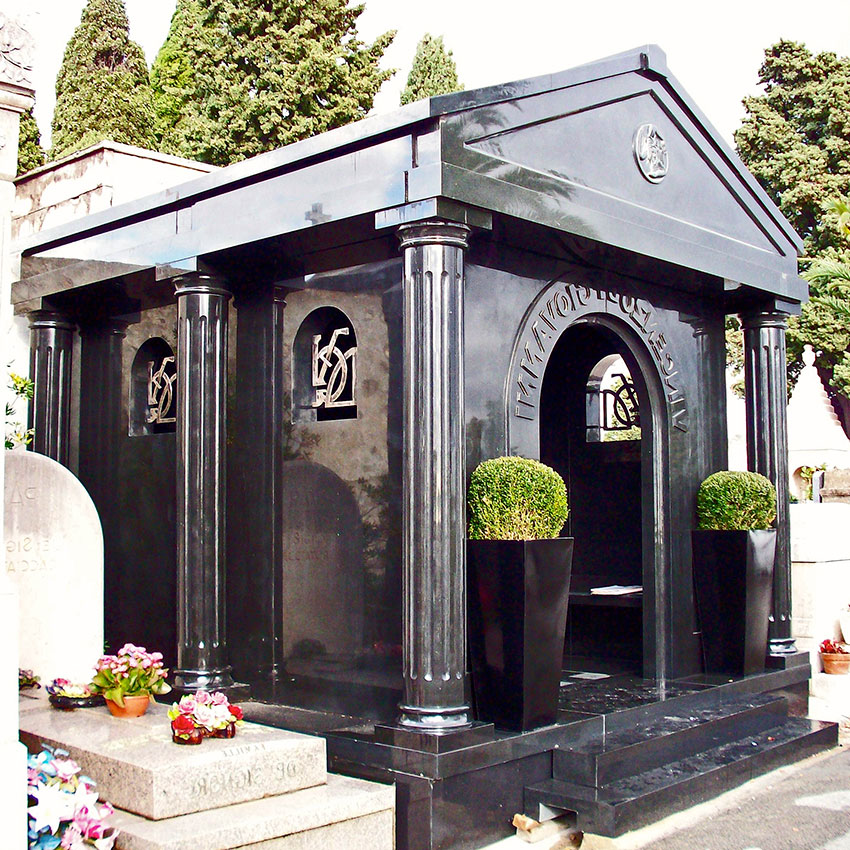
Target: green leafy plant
[
  {"x": 16, "y": 434},
  {"x": 516, "y": 498},
  {"x": 736, "y": 501}
]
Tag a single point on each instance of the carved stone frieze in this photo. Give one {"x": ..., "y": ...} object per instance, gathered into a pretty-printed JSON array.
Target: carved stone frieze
[{"x": 16, "y": 49}]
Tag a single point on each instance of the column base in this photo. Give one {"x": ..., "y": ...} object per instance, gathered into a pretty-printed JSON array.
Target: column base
[
  {"x": 434, "y": 719},
  {"x": 191, "y": 681},
  {"x": 442, "y": 741},
  {"x": 782, "y": 646}
]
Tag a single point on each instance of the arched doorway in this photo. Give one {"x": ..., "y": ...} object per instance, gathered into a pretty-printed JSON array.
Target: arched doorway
[{"x": 600, "y": 424}]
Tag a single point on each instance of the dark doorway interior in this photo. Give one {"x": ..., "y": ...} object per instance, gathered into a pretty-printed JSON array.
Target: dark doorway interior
[{"x": 590, "y": 431}]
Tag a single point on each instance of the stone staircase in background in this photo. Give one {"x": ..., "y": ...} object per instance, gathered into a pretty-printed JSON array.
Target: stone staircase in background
[{"x": 266, "y": 787}]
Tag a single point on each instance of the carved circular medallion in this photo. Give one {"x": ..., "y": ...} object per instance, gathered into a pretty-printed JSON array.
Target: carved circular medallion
[{"x": 650, "y": 151}]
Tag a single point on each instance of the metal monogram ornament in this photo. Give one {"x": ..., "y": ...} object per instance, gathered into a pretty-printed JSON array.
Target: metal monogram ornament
[
  {"x": 620, "y": 406},
  {"x": 334, "y": 371},
  {"x": 161, "y": 392},
  {"x": 651, "y": 153}
]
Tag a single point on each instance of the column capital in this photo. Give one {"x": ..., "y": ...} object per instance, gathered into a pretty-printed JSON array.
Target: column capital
[
  {"x": 761, "y": 318},
  {"x": 433, "y": 232},
  {"x": 42, "y": 319},
  {"x": 201, "y": 283}
]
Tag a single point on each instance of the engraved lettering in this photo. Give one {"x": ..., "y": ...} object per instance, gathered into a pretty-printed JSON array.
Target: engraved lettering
[
  {"x": 582, "y": 293},
  {"x": 563, "y": 303},
  {"x": 539, "y": 334},
  {"x": 546, "y": 319}
]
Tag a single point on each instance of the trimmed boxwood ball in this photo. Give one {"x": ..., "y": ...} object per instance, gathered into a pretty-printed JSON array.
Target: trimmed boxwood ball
[
  {"x": 516, "y": 498},
  {"x": 741, "y": 501}
]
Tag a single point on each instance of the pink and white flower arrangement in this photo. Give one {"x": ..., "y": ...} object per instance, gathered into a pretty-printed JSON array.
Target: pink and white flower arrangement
[
  {"x": 63, "y": 811},
  {"x": 209, "y": 712},
  {"x": 133, "y": 670}
]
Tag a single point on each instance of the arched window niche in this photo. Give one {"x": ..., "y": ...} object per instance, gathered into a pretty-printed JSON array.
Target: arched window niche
[
  {"x": 324, "y": 367},
  {"x": 612, "y": 406},
  {"x": 153, "y": 390}
]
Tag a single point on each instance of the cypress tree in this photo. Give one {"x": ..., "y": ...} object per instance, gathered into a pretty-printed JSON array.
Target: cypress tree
[
  {"x": 173, "y": 78},
  {"x": 30, "y": 152},
  {"x": 433, "y": 71},
  {"x": 103, "y": 89},
  {"x": 236, "y": 78}
]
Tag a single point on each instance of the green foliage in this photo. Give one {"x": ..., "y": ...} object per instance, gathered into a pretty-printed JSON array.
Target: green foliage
[
  {"x": 102, "y": 90},
  {"x": 16, "y": 434},
  {"x": 736, "y": 500},
  {"x": 30, "y": 151},
  {"x": 795, "y": 138},
  {"x": 515, "y": 498},
  {"x": 236, "y": 78},
  {"x": 173, "y": 75},
  {"x": 433, "y": 71}
]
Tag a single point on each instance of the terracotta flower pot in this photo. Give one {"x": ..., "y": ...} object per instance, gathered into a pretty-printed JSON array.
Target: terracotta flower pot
[
  {"x": 135, "y": 705},
  {"x": 835, "y": 662}
]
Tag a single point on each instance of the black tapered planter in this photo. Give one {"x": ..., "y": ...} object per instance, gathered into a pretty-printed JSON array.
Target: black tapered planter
[
  {"x": 733, "y": 584},
  {"x": 517, "y": 594}
]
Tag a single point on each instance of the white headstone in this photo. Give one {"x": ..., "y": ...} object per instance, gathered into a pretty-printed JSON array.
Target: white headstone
[{"x": 54, "y": 555}]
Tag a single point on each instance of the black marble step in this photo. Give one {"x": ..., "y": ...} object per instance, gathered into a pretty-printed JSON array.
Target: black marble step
[
  {"x": 634, "y": 801},
  {"x": 681, "y": 732}
]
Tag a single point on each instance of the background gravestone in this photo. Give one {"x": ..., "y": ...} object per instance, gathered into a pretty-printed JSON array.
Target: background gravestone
[
  {"x": 54, "y": 555},
  {"x": 322, "y": 555}
]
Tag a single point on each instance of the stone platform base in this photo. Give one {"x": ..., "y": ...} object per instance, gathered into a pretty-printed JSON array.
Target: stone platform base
[
  {"x": 266, "y": 788},
  {"x": 344, "y": 813}
]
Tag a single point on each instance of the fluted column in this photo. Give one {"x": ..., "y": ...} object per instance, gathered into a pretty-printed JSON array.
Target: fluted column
[
  {"x": 434, "y": 567},
  {"x": 766, "y": 378},
  {"x": 51, "y": 344},
  {"x": 201, "y": 523}
]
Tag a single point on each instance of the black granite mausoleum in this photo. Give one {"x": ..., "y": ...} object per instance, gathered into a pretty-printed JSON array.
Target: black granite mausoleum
[{"x": 288, "y": 368}]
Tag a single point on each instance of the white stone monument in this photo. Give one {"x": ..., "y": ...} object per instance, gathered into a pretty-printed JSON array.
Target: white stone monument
[
  {"x": 54, "y": 555},
  {"x": 16, "y": 95},
  {"x": 815, "y": 435}
]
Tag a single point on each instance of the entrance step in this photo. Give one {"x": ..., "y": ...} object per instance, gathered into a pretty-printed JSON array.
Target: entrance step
[
  {"x": 678, "y": 733},
  {"x": 631, "y": 798},
  {"x": 344, "y": 813}
]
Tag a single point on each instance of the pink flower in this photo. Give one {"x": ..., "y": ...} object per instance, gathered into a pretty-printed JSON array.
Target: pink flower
[
  {"x": 218, "y": 698},
  {"x": 65, "y": 768}
]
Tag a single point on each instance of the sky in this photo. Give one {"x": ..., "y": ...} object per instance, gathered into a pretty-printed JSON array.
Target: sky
[{"x": 714, "y": 49}]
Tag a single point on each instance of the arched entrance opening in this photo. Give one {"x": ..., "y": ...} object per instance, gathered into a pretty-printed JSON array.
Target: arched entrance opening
[{"x": 599, "y": 428}]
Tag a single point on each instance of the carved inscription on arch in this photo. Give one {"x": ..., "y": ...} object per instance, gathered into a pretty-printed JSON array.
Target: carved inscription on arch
[{"x": 555, "y": 311}]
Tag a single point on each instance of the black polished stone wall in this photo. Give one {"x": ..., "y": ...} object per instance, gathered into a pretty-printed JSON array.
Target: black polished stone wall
[
  {"x": 314, "y": 556},
  {"x": 518, "y": 306},
  {"x": 132, "y": 482}
]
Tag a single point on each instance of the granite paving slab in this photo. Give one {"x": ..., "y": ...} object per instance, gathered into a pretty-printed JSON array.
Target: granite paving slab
[
  {"x": 344, "y": 813},
  {"x": 138, "y": 768}
]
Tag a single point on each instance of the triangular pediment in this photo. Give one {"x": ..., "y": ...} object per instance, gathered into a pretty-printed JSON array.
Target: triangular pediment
[{"x": 574, "y": 157}]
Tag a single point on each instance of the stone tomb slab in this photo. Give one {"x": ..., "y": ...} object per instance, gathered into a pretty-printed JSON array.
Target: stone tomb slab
[
  {"x": 345, "y": 813},
  {"x": 54, "y": 556},
  {"x": 138, "y": 768}
]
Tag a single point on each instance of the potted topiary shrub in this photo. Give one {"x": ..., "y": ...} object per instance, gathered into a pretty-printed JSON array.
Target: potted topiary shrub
[
  {"x": 518, "y": 571},
  {"x": 733, "y": 551}
]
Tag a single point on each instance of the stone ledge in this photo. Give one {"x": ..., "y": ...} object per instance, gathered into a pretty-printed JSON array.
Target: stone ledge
[
  {"x": 345, "y": 813},
  {"x": 138, "y": 768}
]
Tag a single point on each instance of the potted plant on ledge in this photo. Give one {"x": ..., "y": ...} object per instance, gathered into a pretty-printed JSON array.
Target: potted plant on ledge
[
  {"x": 733, "y": 552},
  {"x": 129, "y": 680},
  {"x": 518, "y": 578}
]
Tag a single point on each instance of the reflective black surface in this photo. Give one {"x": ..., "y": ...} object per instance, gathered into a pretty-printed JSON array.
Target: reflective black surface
[
  {"x": 733, "y": 572},
  {"x": 517, "y": 602}
]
